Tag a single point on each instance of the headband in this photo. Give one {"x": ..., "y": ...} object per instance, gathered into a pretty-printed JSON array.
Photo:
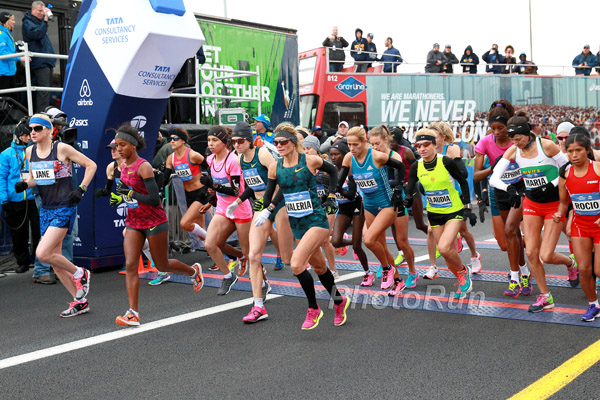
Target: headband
[
  {"x": 498, "y": 118},
  {"x": 176, "y": 130},
  {"x": 41, "y": 121},
  {"x": 521, "y": 129},
  {"x": 287, "y": 135},
  {"x": 219, "y": 133},
  {"x": 128, "y": 137},
  {"x": 425, "y": 137}
]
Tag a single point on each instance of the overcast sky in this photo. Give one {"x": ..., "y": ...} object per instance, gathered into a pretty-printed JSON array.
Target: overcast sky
[{"x": 560, "y": 28}]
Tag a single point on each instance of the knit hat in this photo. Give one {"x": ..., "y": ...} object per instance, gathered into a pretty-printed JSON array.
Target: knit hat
[
  {"x": 244, "y": 130},
  {"x": 565, "y": 127},
  {"x": 4, "y": 16},
  {"x": 312, "y": 142}
]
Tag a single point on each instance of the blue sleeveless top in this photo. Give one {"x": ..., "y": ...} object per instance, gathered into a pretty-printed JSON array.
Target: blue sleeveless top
[{"x": 372, "y": 182}]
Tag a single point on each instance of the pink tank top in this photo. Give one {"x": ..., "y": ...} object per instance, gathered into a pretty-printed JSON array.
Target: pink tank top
[{"x": 221, "y": 171}]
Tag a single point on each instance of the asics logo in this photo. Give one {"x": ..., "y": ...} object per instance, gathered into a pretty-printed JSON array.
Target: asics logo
[{"x": 85, "y": 90}]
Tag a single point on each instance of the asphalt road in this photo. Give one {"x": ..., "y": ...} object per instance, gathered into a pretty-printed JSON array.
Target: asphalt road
[{"x": 195, "y": 345}]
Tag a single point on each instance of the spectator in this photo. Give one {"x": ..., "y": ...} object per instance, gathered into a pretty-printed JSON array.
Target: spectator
[
  {"x": 358, "y": 50},
  {"x": 469, "y": 61},
  {"x": 8, "y": 67},
  {"x": 598, "y": 58},
  {"x": 262, "y": 130},
  {"x": 21, "y": 211},
  {"x": 318, "y": 133},
  {"x": 372, "y": 49},
  {"x": 391, "y": 57},
  {"x": 509, "y": 60},
  {"x": 451, "y": 59},
  {"x": 341, "y": 133},
  {"x": 336, "y": 53},
  {"x": 35, "y": 33},
  {"x": 584, "y": 62},
  {"x": 524, "y": 66},
  {"x": 435, "y": 60},
  {"x": 162, "y": 149},
  {"x": 492, "y": 57}
]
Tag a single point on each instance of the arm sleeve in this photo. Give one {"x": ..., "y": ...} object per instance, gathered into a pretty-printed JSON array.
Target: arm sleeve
[
  {"x": 500, "y": 168},
  {"x": 412, "y": 180},
  {"x": 109, "y": 185},
  {"x": 399, "y": 169},
  {"x": 331, "y": 170},
  {"x": 561, "y": 160},
  {"x": 268, "y": 196},
  {"x": 342, "y": 178},
  {"x": 455, "y": 172},
  {"x": 234, "y": 190},
  {"x": 152, "y": 198},
  {"x": 461, "y": 167},
  {"x": 246, "y": 194},
  {"x": 204, "y": 165}
]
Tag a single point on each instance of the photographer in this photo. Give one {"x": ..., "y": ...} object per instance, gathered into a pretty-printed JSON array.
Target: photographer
[{"x": 20, "y": 210}]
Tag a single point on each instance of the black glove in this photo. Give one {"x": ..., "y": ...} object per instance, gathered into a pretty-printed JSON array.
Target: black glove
[
  {"x": 207, "y": 181},
  {"x": 202, "y": 196},
  {"x": 21, "y": 187},
  {"x": 467, "y": 213},
  {"x": 396, "y": 200},
  {"x": 330, "y": 205},
  {"x": 482, "y": 210},
  {"x": 6, "y": 206},
  {"x": 258, "y": 205},
  {"x": 485, "y": 197},
  {"x": 76, "y": 195},
  {"x": 123, "y": 189},
  {"x": 408, "y": 201},
  {"x": 101, "y": 192},
  {"x": 542, "y": 191},
  {"x": 514, "y": 199}
]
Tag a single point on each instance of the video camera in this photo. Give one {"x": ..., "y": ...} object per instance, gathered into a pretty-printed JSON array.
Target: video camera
[{"x": 62, "y": 130}]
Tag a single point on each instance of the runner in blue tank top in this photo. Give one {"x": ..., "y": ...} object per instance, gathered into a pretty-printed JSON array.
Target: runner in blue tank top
[{"x": 295, "y": 175}]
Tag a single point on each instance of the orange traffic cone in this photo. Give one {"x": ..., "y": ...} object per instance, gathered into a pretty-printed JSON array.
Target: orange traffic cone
[{"x": 141, "y": 268}]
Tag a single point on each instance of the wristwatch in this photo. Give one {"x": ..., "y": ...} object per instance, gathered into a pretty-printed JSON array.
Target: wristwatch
[
  {"x": 83, "y": 187},
  {"x": 271, "y": 207}
]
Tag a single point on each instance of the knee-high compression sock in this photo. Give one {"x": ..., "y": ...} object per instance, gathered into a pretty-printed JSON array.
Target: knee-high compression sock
[
  {"x": 198, "y": 231},
  {"x": 308, "y": 285},
  {"x": 329, "y": 284},
  {"x": 146, "y": 251}
]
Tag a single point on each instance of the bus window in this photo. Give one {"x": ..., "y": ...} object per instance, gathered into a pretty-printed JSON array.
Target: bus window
[
  {"x": 306, "y": 70},
  {"x": 308, "y": 110},
  {"x": 352, "y": 112}
]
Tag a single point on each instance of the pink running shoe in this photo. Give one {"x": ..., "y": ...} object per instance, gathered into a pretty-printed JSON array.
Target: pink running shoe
[
  {"x": 387, "y": 278},
  {"x": 340, "y": 312},
  {"x": 256, "y": 314},
  {"x": 313, "y": 316},
  {"x": 459, "y": 244},
  {"x": 344, "y": 249},
  {"x": 368, "y": 279},
  {"x": 397, "y": 288}
]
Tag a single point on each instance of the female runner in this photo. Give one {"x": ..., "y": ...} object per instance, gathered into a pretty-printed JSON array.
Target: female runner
[
  {"x": 382, "y": 203},
  {"x": 580, "y": 182},
  {"x": 445, "y": 206},
  {"x": 146, "y": 220},
  {"x": 295, "y": 175},
  {"x": 51, "y": 168},
  {"x": 539, "y": 161},
  {"x": 508, "y": 223}
]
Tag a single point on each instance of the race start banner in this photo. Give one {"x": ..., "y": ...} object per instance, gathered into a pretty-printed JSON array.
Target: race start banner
[{"x": 123, "y": 58}]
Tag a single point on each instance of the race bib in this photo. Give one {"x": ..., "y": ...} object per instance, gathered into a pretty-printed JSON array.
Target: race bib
[
  {"x": 253, "y": 179},
  {"x": 299, "y": 204},
  {"x": 438, "y": 198},
  {"x": 534, "y": 180},
  {"x": 183, "y": 171},
  {"x": 512, "y": 174},
  {"x": 586, "y": 203},
  {"x": 321, "y": 191},
  {"x": 131, "y": 203},
  {"x": 341, "y": 199},
  {"x": 365, "y": 182},
  {"x": 43, "y": 172}
]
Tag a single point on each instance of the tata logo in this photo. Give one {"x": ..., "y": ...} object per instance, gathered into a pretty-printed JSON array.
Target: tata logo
[
  {"x": 160, "y": 68},
  {"x": 122, "y": 212},
  {"x": 77, "y": 122},
  {"x": 594, "y": 87},
  {"x": 85, "y": 92},
  {"x": 114, "y": 21},
  {"x": 351, "y": 87},
  {"x": 139, "y": 122}
]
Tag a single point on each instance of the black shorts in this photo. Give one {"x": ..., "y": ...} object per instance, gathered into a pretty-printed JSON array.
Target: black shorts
[
  {"x": 155, "y": 230},
  {"x": 191, "y": 197},
  {"x": 352, "y": 208},
  {"x": 436, "y": 219},
  {"x": 502, "y": 197},
  {"x": 401, "y": 212}
]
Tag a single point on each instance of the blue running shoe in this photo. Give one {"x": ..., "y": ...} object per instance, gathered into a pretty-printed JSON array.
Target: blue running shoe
[
  {"x": 411, "y": 280},
  {"x": 162, "y": 277},
  {"x": 380, "y": 271},
  {"x": 279, "y": 265},
  {"x": 591, "y": 313}
]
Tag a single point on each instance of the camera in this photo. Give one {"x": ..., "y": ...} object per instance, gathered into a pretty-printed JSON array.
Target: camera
[{"x": 62, "y": 131}]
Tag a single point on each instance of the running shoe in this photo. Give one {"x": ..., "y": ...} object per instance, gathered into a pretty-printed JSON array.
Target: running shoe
[
  {"x": 197, "y": 279},
  {"x": 242, "y": 266},
  {"x": 573, "y": 273},
  {"x": 542, "y": 303},
  {"x": 354, "y": 255},
  {"x": 213, "y": 267},
  {"x": 459, "y": 243},
  {"x": 368, "y": 279},
  {"x": 226, "y": 284},
  {"x": 160, "y": 278},
  {"x": 397, "y": 288},
  {"x": 75, "y": 308},
  {"x": 336, "y": 275},
  {"x": 279, "y": 265},
  {"x": 437, "y": 253},
  {"x": 387, "y": 280},
  {"x": 514, "y": 289},
  {"x": 129, "y": 319},
  {"x": 266, "y": 289},
  {"x": 598, "y": 281},
  {"x": 432, "y": 273},
  {"x": 313, "y": 316},
  {"x": 464, "y": 283},
  {"x": 526, "y": 287},
  {"x": 591, "y": 313},
  {"x": 344, "y": 249},
  {"x": 411, "y": 280},
  {"x": 476, "y": 264},
  {"x": 256, "y": 314},
  {"x": 82, "y": 284},
  {"x": 380, "y": 272},
  {"x": 399, "y": 260},
  {"x": 233, "y": 264},
  {"x": 340, "y": 312}
]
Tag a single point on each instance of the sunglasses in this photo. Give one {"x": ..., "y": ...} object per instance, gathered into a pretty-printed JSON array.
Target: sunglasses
[
  {"x": 281, "y": 142},
  {"x": 425, "y": 144},
  {"x": 38, "y": 128},
  {"x": 171, "y": 138},
  {"x": 238, "y": 141},
  {"x": 562, "y": 137}
]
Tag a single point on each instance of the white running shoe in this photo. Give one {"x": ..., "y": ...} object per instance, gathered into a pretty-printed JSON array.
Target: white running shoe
[
  {"x": 476, "y": 264},
  {"x": 432, "y": 273}
]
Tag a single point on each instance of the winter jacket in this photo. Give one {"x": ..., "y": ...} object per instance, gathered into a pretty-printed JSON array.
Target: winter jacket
[
  {"x": 525, "y": 66},
  {"x": 591, "y": 61},
  {"x": 35, "y": 33},
  {"x": 389, "y": 57},
  {"x": 12, "y": 162},
  {"x": 372, "y": 49},
  {"x": 335, "y": 52},
  {"x": 470, "y": 59},
  {"x": 451, "y": 59},
  {"x": 432, "y": 58},
  {"x": 509, "y": 67},
  {"x": 359, "y": 47},
  {"x": 8, "y": 67},
  {"x": 495, "y": 58}
]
